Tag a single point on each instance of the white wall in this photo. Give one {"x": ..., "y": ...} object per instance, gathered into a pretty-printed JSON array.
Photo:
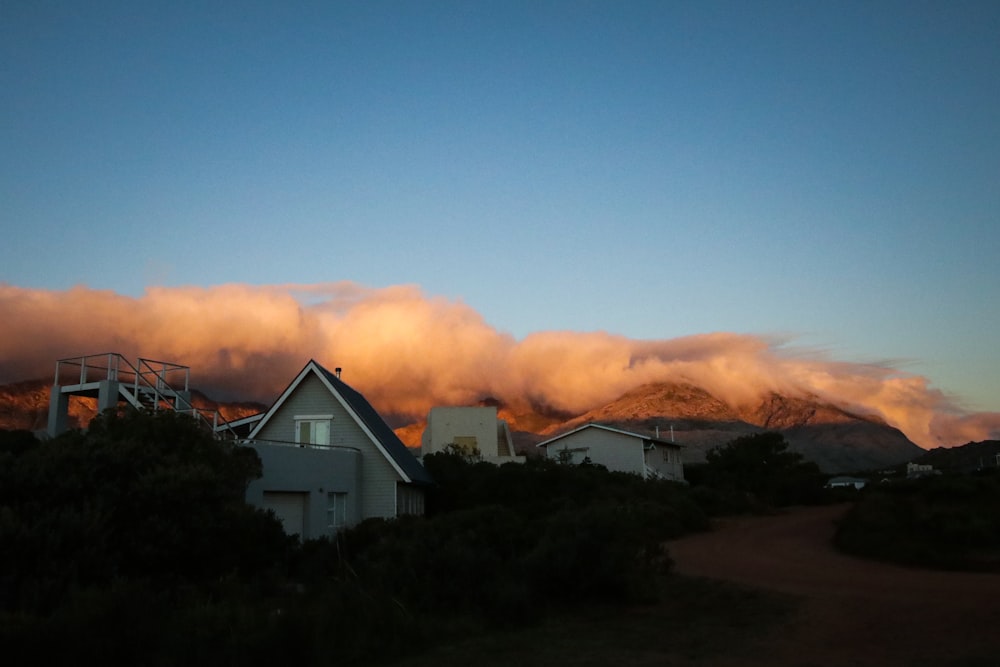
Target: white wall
[
  {"x": 615, "y": 451},
  {"x": 445, "y": 424},
  {"x": 666, "y": 460}
]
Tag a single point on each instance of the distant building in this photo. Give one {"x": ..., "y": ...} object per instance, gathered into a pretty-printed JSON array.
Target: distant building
[
  {"x": 917, "y": 470},
  {"x": 618, "y": 450},
  {"x": 472, "y": 429},
  {"x": 844, "y": 482}
]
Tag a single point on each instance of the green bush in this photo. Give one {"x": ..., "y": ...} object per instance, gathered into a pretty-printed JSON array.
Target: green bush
[
  {"x": 529, "y": 535},
  {"x": 148, "y": 496},
  {"x": 756, "y": 473},
  {"x": 132, "y": 541},
  {"x": 951, "y": 522},
  {"x": 600, "y": 552}
]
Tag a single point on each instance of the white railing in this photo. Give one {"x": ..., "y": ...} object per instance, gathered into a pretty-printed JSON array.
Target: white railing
[
  {"x": 289, "y": 443},
  {"x": 155, "y": 379}
]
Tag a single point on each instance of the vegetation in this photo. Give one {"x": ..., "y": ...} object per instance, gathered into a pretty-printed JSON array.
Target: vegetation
[
  {"x": 122, "y": 539},
  {"x": 755, "y": 473},
  {"x": 132, "y": 542},
  {"x": 948, "y": 521},
  {"x": 504, "y": 542},
  {"x": 694, "y": 622},
  {"x": 133, "y": 497}
]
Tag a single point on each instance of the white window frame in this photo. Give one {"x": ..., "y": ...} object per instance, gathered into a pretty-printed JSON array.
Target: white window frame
[
  {"x": 313, "y": 421},
  {"x": 336, "y": 510},
  {"x": 409, "y": 500}
]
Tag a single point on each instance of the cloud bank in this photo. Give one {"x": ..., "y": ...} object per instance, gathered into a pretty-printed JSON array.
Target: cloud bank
[{"x": 407, "y": 352}]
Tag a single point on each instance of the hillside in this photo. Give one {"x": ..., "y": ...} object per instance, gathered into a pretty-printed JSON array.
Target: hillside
[
  {"x": 834, "y": 438},
  {"x": 968, "y": 457},
  {"x": 25, "y": 405}
]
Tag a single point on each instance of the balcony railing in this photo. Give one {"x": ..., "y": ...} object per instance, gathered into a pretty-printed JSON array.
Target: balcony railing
[{"x": 154, "y": 384}]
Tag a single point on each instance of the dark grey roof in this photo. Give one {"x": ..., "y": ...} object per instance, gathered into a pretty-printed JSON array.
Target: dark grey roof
[{"x": 386, "y": 437}]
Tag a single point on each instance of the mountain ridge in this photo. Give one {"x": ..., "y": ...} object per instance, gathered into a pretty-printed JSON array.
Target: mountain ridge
[{"x": 832, "y": 436}]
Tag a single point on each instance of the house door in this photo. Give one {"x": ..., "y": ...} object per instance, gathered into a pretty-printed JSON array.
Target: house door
[{"x": 290, "y": 508}]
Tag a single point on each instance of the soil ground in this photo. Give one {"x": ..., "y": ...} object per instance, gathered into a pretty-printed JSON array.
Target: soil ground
[{"x": 850, "y": 612}]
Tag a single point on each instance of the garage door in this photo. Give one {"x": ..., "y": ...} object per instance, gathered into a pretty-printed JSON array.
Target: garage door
[{"x": 290, "y": 508}]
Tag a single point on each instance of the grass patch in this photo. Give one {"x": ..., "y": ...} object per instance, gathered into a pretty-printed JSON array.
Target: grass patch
[{"x": 694, "y": 620}]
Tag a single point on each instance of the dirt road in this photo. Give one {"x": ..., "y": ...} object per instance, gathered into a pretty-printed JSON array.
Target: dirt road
[{"x": 853, "y": 612}]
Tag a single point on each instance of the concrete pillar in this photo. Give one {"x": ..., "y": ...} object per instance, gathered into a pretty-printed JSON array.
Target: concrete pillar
[
  {"x": 107, "y": 395},
  {"x": 182, "y": 401},
  {"x": 58, "y": 411}
]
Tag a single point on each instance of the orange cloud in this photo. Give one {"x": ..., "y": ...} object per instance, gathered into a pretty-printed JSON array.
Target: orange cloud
[{"x": 408, "y": 352}]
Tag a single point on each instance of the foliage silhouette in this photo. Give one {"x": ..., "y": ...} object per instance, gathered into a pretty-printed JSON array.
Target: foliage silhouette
[
  {"x": 948, "y": 522},
  {"x": 756, "y": 472},
  {"x": 119, "y": 540}
]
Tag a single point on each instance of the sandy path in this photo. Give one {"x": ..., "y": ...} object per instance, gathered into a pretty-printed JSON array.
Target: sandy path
[{"x": 853, "y": 611}]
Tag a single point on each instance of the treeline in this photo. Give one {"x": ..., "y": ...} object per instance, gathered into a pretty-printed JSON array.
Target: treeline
[
  {"x": 950, "y": 521},
  {"x": 131, "y": 543}
]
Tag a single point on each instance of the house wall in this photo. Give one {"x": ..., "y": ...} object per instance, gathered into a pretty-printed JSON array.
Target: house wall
[
  {"x": 666, "y": 460},
  {"x": 315, "y": 472},
  {"x": 615, "y": 451},
  {"x": 445, "y": 424},
  {"x": 378, "y": 477}
]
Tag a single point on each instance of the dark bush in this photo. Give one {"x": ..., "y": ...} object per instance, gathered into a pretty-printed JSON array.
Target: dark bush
[
  {"x": 132, "y": 541},
  {"x": 756, "y": 473},
  {"x": 950, "y": 522},
  {"x": 601, "y": 552},
  {"x": 150, "y": 496}
]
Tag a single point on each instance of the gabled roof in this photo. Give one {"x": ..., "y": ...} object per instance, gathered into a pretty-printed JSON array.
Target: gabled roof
[
  {"x": 643, "y": 438},
  {"x": 383, "y": 437}
]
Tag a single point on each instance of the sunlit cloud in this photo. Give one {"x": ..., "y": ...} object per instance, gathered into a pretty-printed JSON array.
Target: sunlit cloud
[{"x": 407, "y": 352}]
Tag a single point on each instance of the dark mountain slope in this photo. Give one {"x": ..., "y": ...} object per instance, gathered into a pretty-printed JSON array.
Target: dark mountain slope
[{"x": 834, "y": 438}]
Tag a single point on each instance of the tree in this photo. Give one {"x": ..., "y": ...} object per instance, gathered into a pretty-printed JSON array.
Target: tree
[
  {"x": 138, "y": 495},
  {"x": 760, "y": 468}
]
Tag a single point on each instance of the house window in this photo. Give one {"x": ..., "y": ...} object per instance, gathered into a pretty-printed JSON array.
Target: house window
[
  {"x": 336, "y": 511},
  {"x": 409, "y": 500},
  {"x": 312, "y": 429},
  {"x": 666, "y": 455},
  {"x": 466, "y": 443}
]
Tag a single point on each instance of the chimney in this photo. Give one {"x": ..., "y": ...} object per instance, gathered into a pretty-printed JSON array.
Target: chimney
[{"x": 337, "y": 371}]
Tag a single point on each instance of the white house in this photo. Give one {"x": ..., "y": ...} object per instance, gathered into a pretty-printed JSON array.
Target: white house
[
  {"x": 329, "y": 459},
  {"x": 618, "y": 450},
  {"x": 472, "y": 429}
]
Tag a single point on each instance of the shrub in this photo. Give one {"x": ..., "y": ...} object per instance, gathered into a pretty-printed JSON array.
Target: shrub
[
  {"x": 149, "y": 496},
  {"x": 758, "y": 472},
  {"x": 601, "y": 552},
  {"x": 950, "y": 522}
]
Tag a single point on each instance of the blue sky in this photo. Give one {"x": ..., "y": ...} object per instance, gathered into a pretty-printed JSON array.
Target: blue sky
[{"x": 828, "y": 172}]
